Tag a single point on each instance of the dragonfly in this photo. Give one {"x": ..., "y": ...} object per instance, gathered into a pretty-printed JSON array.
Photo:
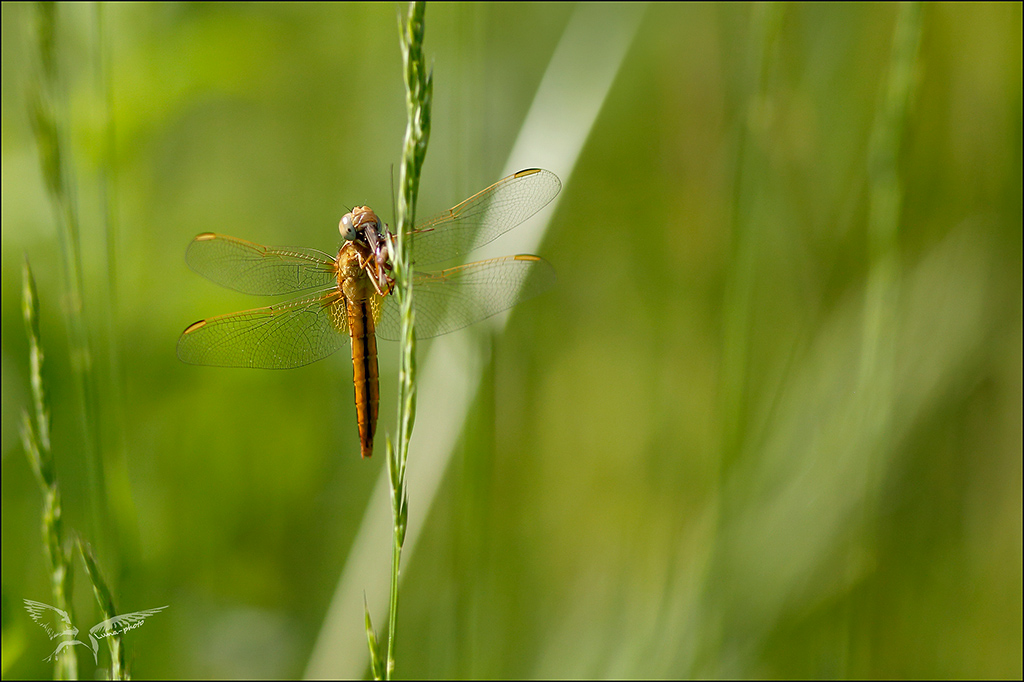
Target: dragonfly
[{"x": 349, "y": 298}]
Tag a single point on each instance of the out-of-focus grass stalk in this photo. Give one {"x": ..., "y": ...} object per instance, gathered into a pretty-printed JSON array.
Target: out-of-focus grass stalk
[
  {"x": 753, "y": 129},
  {"x": 109, "y": 611},
  {"x": 881, "y": 326},
  {"x": 120, "y": 503},
  {"x": 886, "y": 200},
  {"x": 106, "y": 187},
  {"x": 881, "y": 322},
  {"x": 51, "y": 142},
  {"x": 754, "y": 121},
  {"x": 418, "y": 89},
  {"x": 36, "y": 438}
]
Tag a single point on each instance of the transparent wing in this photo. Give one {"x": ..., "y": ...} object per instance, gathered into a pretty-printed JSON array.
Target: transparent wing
[
  {"x": 256, "y": 269},
  {"x": 280, "y": 336},
  {"x": 451, "y": 299},
  {"x": 484, "y": 216}
]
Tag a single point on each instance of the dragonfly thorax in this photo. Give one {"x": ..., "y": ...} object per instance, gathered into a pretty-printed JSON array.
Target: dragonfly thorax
[{"x": 355, "y": 262}]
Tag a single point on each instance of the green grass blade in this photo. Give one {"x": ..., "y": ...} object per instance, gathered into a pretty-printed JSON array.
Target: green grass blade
[
  {"x": 36, "y": 439},
  {"x": 46, "y": 111},
  {"x": 105, "y": 600}
]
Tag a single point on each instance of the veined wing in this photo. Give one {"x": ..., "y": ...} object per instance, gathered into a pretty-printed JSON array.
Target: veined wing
[
  {"x": 484, "y": 216},
  {"x": 256, "y": 269},
  {"x": 451, "y": 299},
  {"x": 281, "y": 336}
]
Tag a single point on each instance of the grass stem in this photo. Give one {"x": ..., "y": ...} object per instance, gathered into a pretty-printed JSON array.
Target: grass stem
[
  {"x": 36, "y": 438},
  {"x": 47, "y": 100},
  {"x": 418, "y": 88},
  {"x": 105, "y": 599}
]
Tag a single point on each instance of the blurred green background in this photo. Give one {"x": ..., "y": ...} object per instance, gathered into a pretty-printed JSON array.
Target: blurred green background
[{"x": 750, "y": 433}]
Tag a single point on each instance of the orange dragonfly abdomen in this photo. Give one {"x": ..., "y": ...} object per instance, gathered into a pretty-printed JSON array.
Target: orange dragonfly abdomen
[
  {"x": 354, "y": 262},
  {"x": 364, "y": 372}
]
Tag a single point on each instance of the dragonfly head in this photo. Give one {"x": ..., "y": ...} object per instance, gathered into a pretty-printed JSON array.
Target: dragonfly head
[{"x": 360, "y": 224}]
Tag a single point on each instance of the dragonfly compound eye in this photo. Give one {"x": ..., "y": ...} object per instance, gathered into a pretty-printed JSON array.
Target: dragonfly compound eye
[{"x": 347, "y": 228}]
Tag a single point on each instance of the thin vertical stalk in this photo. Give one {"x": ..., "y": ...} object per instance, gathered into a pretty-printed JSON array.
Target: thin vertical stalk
[
  {"x": 36, "y": 438},
  {"x": 105, "y": 599},
  {"x": 51, "y": 140},
  {"x": 882, "y": 327},
  {"x": 886, "y": 201},
  {"x": 120, "y": 505},
  {"x": 750, "y": 161},
  {"x": 418, "y": 89},
  {"x": 748, "y": 180}
]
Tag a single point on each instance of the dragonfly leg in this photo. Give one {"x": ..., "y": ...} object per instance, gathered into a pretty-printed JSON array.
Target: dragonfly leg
[{"x": 380, "y": 280}]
